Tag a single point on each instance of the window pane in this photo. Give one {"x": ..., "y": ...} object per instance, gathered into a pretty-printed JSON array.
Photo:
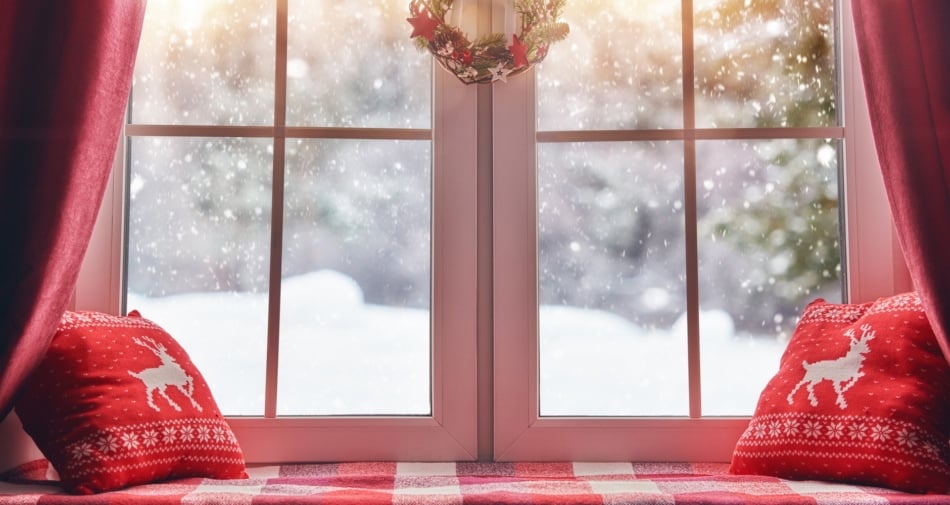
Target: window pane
[
  {"x": 611, "y": 273},
  {"x": 355, "y": 67},
  {"x": 198, "y": 255},
  {"x": 768, "y": 245},
  {"x": 765, "y": 63},
  {"x": 621, "y": 68},
  {"x": 206, "y": 62},
  {"x": 356, "y": 279}
]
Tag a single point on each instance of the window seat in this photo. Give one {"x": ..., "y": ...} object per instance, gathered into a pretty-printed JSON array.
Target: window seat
[{"x": 483, "y": 483}]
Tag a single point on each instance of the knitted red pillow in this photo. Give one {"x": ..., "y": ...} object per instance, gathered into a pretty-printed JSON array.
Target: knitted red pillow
[
  {"x": 862, "y": 395},
  {"x": 117, "y": 402}
]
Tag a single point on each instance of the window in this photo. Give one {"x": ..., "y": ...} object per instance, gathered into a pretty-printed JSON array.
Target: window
[
  {"x": 617, "y": 206},
  {"x": 285, "y": 223},
  {"x": 680, "y": 209}
]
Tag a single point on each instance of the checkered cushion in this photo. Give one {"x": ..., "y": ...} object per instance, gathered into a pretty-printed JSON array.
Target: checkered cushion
[{"x": 486, "y": 483}]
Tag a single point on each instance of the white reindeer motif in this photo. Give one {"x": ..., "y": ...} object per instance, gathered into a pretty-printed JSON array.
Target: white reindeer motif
[
  {"x": 169, "y": 373},
  {"x": 843, "y": 372}
]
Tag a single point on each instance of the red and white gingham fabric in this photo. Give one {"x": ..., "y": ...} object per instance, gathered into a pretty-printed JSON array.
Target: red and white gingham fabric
[{"x": 480, "y": 483}]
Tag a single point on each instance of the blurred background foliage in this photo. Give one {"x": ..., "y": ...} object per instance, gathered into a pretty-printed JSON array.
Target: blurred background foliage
[{"x": 611, "y": 214}]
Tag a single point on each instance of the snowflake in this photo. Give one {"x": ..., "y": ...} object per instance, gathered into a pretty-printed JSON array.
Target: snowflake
[
  {"x": 149, "y": 438},
  {"x": 881, "y": 433},
  {"x": 81, "y": 451},
  {"x": 204, "y": 434},
  {"x": 907, "y": 438},
  {"x": 759, "y": 430},
  {"x": 187, "y": 434},
  {"x": 130, "y": 441},
  {"x": 856, "y": 431},
  {"x": 168, "y": 435},
  {"x": 835, "y": 430},
  {"x": 775, "y": 428},
  {"x": 107, "y": 444},
  {"x": 929, "y": 450},
  {"x": 812, "y": 429},
  {"x": 791, "y": 427},
  {"x": 219, "y": 435}
]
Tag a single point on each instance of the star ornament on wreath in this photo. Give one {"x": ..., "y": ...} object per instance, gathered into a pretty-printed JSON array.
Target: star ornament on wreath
[{"x": 490, "y": 57}]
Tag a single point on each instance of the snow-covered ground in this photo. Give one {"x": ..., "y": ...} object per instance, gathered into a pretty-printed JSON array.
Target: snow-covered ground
[{"x": 339, "y": 355}]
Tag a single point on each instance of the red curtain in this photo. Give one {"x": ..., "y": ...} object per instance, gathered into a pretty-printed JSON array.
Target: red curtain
[
  {"x": 65, "y": 75},
  {"x": 904, "y": 47}
]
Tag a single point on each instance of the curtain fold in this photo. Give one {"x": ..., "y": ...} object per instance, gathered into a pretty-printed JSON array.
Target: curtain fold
[
  {"x": 66, "y": 70},
  {"x": 904, "y": 49}
]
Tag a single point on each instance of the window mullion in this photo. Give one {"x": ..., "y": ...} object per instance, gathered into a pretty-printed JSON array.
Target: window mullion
[
  {"x": 691, "y": 213},
  {"x": 277, "y": 212}
]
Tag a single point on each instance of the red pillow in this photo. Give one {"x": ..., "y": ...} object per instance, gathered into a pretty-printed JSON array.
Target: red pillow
[
  {"x": 862, "y": 395},
  {"x": 117, "y": 402}
]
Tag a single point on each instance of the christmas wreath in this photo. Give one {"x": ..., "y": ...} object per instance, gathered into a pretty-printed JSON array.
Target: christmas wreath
[{"x": 490, "y": 57}]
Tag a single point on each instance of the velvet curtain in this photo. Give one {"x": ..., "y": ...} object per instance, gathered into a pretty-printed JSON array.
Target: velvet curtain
[
  {"x": 65, "y": 75},
  {"x": 904, "y": 48}
]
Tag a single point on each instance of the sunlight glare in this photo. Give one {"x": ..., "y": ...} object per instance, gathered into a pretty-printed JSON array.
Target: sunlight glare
[
  {"x": 186, "y": 15},
  {"x": 657, "y": 10}
]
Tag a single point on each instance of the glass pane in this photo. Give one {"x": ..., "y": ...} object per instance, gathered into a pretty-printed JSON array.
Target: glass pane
[
  {"x": 620, "y": 68},
  {"x": 765, "y": 63},
  {"x": 198, "y": 255},
  {"x": 355, "y": 67},
  {"x": 769, "y": 244},
  {"x": 611, "y": 267},
  {"x": 355, "y": 293},
  {"x": 206, "y": 62}
]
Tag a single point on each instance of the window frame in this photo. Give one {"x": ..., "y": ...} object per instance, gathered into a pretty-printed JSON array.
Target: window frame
[
  {"x": 484, "y": 398},
  {"x": 449, "y": 433},
  {"x": 520, "y": 432}
]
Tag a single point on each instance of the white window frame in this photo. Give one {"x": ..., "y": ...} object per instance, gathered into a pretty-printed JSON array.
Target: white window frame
[
  {"x": 874, "y": 265},
  {"x": 449, "y": 433},
  {"x": 484, "y": 346}
]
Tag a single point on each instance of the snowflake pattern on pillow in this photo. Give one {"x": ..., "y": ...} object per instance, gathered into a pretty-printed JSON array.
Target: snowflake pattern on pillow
[
  {"x": 861, "y": 396},
  {"x": 117, "y": 402}
]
